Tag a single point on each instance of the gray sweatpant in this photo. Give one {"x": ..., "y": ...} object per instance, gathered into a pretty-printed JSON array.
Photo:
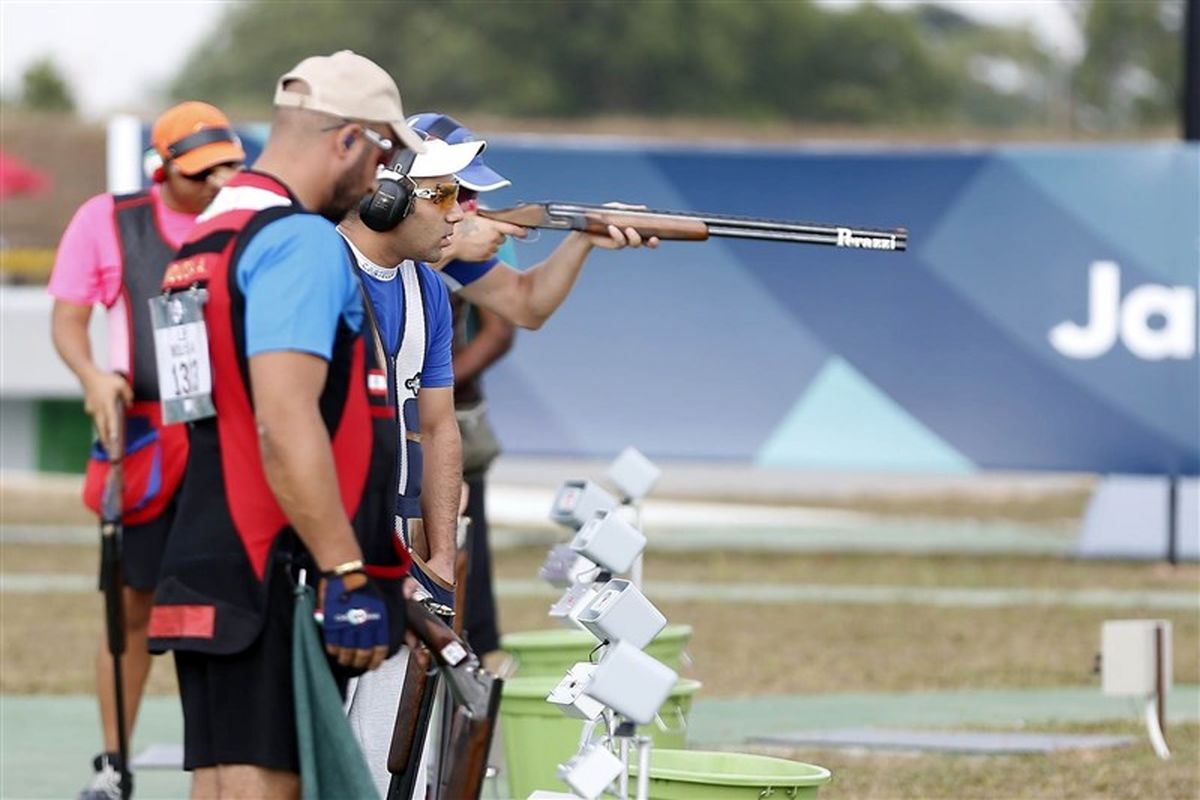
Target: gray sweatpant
[{"x": 371, "y": 703}]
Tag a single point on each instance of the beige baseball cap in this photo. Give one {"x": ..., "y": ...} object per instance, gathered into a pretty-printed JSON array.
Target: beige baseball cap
[{"x": 348, "y": 85}]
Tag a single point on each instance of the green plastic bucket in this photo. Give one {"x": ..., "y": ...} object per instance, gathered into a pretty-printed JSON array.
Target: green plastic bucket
[
  {"x": 693, "y": 774},
  {"x": 554, "y": 651},
  {"x": 538, "y": 737}
]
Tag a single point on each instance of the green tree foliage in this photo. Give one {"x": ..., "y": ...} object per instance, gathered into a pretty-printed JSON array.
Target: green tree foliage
[
  {"x": 736, "y": 59},
  {"x": 1132, "y": 71},
  {"x": 43, "y": 88}
]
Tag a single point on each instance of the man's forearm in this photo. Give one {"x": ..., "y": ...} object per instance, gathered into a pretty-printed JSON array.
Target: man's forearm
[
  {"x": 493, "y": 339},
  {"x": 441, "y": 486},
  {"x": 69, "y": 331},
  {"x": 298, "y": 462},
  {"x": 548, "y": 283}
]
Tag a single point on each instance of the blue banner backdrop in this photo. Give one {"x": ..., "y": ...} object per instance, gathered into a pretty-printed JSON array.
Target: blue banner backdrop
[{"x": 1044, "y": 317}]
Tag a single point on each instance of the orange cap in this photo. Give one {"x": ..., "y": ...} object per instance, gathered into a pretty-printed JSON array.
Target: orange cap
[{"x": 177, "y": 136}]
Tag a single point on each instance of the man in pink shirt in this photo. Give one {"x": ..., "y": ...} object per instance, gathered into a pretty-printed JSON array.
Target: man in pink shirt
[{"x": 114, "y": 253}]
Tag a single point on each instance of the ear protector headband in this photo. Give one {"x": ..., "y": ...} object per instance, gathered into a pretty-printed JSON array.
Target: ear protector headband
[{"x": 392, "y": 201}]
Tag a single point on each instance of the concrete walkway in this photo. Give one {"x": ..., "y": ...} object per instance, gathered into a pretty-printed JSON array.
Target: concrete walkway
[
  {"x": 518, "y": 518},
  {"x": 47, "y": 742},
  {"x": 709, "y": 506},
  {"x": 723, "y": 721},
  {"x": 953, "y": 597}
]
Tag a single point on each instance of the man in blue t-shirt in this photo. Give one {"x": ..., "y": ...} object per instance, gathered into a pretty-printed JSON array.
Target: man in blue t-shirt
[
  {"x": 410, "y": 311},
  {"x": 477, "y": 266}
]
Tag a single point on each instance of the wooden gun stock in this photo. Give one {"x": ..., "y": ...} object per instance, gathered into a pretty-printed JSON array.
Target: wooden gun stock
[
  {"x": 596, "y": 219},
  {"x": 404, "y": 755},
  {"x": 647, "y": 224},
  {"x": 462, "y": 573},
  {"x": 112, "y": 500},
  {"x": 471, "y": 718}
]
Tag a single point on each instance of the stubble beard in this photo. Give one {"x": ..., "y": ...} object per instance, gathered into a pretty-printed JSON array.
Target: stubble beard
[{"x": 346, "y": 194}]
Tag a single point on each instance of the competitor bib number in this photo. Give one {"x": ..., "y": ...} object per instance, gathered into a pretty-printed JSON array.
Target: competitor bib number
[{"x": 181, "y": 351}]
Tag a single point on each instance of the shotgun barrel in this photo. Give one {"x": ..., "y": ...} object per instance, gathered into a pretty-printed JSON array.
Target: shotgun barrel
[{"x": 696, "y": 226}]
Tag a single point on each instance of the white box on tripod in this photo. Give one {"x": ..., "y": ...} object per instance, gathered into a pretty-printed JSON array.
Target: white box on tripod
[
  {"x": 633, "y": 473},
  {"x": 590, "y": 771},
  {"x": 578, "y": 501},
  {"x": 1130, "y": 663},
  {"x": 573, "y": 602},
  {"x": 609, "y": 541},
  {"x": 569, "y": 695},
  {"x": 620, "y": 612},
  {"x": 631, "y": 683},
  {"x": 564, "y": 567}
]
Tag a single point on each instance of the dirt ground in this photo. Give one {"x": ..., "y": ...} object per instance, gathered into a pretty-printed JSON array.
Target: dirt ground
[{"x": 815, "y": 647}]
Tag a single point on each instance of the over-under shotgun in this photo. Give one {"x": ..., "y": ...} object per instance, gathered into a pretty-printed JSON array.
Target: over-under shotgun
[{"x": 695, "y": 226}]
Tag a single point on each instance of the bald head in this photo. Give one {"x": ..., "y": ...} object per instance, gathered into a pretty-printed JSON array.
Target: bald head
[{"x": 301, "y": 123}]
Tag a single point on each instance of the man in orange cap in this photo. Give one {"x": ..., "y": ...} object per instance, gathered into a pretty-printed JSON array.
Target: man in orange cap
[{"x": 114, "y": 252}]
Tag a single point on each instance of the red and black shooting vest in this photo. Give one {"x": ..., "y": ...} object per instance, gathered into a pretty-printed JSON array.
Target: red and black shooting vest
[
  {"x": 155, "y": 456},
  {"x": 230, "y": 533}
]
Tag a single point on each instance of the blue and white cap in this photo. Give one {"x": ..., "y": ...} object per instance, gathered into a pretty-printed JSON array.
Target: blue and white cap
[{"x": 477, "y": 175}]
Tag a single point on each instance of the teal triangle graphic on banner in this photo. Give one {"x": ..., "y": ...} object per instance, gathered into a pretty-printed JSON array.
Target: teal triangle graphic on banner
[{"x": 843, "y": 421}]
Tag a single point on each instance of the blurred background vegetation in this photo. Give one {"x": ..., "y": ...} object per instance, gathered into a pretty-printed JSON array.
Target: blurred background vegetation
[
  {"x": 752, "y": 70},
  {"x": 859, "y": 64}
]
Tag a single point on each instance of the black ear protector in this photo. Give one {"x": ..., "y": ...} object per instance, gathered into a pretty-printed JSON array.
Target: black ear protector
[
  {"x": 392, "y": 201},
  {"x": 348, "y": 141}
]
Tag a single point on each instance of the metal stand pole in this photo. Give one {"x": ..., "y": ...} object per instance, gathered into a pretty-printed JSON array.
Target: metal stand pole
[
  {"x": 1160, "y": 689},
  {"x": 635, "y": 572},
  {"x": 643, "y": 779},
  {"x": 623, "y": 780},
  {"x": 1173, "y": 519}
]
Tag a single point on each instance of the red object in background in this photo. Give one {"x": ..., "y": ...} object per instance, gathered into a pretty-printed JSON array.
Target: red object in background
[{"x": 17, "y": 178}]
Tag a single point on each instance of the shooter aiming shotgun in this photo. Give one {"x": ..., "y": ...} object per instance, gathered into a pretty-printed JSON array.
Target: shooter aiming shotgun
[
  {"x": 111, "y": 530},
  {"x": 695, "y": 227}
]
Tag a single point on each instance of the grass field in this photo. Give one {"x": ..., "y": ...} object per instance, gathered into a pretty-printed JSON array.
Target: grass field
[
  {"x": 814, "y": 647},
  {"x": 1133, "y": 772},
  {"x": 743, "y": 649}
]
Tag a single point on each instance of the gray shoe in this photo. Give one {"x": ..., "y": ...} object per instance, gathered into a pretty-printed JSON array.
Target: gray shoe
[{"x": 106, "y": 784}]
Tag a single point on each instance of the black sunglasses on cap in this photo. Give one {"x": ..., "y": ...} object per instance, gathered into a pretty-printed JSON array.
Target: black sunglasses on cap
[
  {"x": 200, "y": 177},
  {"x": 199, "y": 139}
]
